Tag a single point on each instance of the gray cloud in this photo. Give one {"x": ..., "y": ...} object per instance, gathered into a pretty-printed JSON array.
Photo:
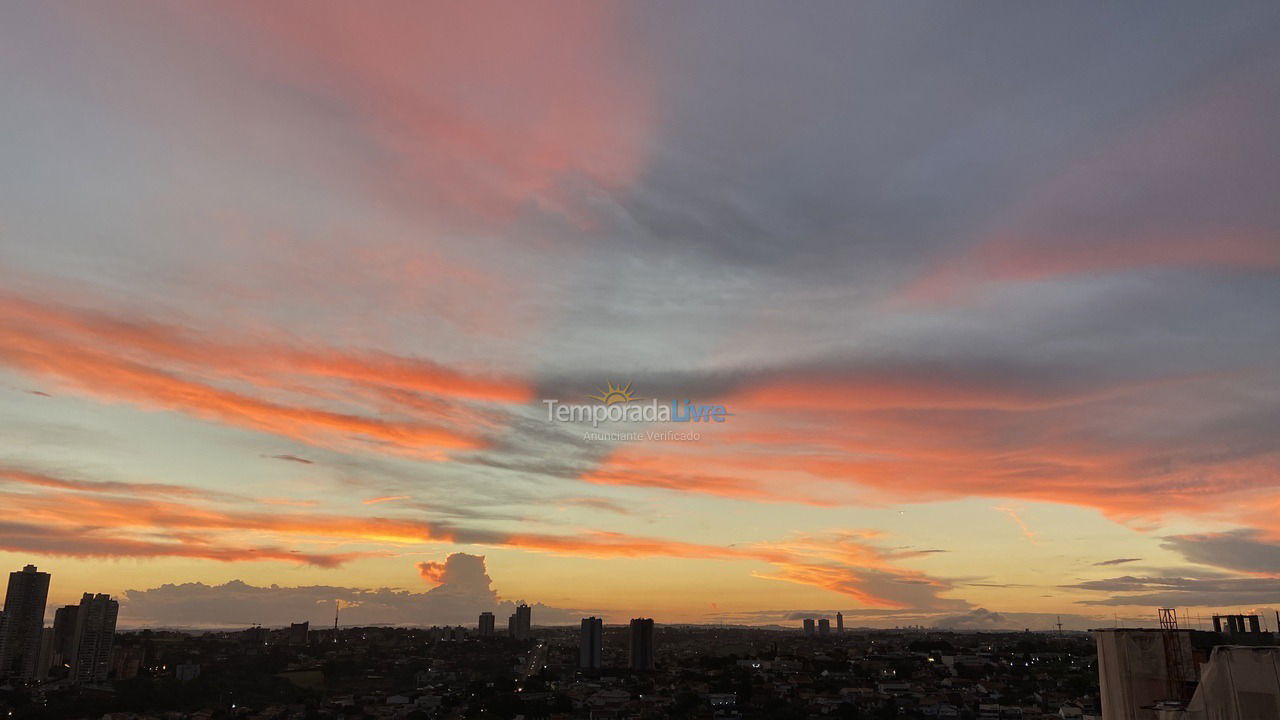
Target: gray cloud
[
  {"x": 292, "y": 458},
  {"x": 1182, "y": 590},
  {"x": 817, "y": 174},
  {"x": 1242, "y": 550},
  {"x": 464, "y": 592},
  {"x": 975, "y": 618}
]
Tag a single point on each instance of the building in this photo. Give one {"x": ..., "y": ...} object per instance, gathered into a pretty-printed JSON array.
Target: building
[
  {"x": 256, "y": 635},
  {"x": 44, "y": 661},
  {"x": 1135, "y": 672},
  {"x": 521, "y": 624},
  {"x": 524, "y": 622},
  {"x": 824, "y": 627},
  {"x": 1238, "y": 683},
  {"x": 640, "y": 646},
  {"x": 1236, "y": 624},
  {"x": 839, "y": 622},
  {"x": 186, "y": 672},
  {"x": 591, "y": 644},
  {"x": 808, "y": 626},
  {"x": 64, "y": 639},
  {"x": 298, "y": 633},
  {"x": 1164, "y": 673},
  {"x": 95, "y": 636},
  {"x": 127, "y": 661},
  {"x": 485, "y": 625},
  {"x": 24, "y": 621}
]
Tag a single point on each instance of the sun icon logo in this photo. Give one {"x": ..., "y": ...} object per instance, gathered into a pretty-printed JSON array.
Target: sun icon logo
[{"x": 614, "y": 394}]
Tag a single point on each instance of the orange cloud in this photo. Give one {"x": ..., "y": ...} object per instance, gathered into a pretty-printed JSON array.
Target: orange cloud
[
  {"x": 108, "y": 525},
  {"x": 245, "y": 360},
  {"x": 1017, "y": 519},
  {"x": 849, "y": 564},
  {"x": 80, "y": 542},
  {"x": 1102, "y": 444},
  {"x": 15, "y": 475},
  {"x": 432, "y": 572},
  {"x": 160, "y": 366},
  {"x": 648, "y": 467},
  {"x": 1032, "y": 256},
  {"x": 389, "y": 498},
  {"x": 480, "y": 110}
]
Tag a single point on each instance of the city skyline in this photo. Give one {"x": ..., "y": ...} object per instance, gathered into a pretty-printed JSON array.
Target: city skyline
[
  {"x": 885, "y": 315},
  {"x": 78, "y": 645}
]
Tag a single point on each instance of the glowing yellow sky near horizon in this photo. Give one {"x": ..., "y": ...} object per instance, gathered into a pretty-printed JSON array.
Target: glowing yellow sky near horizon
[{"x": 984, "y": 546}]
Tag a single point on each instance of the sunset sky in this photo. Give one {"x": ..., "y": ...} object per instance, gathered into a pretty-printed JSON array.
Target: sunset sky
[{"x": 990, "y": 291}]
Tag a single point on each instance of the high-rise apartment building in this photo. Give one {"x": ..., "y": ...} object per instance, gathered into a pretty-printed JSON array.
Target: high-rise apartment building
[
  {"x": 591, "y": 644},
  {"x": 95, "y": 636},
  {"x": 24, "y": 620},
  {"x": 641, "y": 644},
  {"x": 523, "y": 623}
]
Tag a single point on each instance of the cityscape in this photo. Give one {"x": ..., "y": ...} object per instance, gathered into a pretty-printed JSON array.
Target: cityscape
[
  {"x": 81, "y": 667},
  {"x": 639, "y": 359}
]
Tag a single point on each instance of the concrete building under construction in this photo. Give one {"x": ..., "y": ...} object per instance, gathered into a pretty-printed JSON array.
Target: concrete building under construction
[{"x": 1170, "y": 673}]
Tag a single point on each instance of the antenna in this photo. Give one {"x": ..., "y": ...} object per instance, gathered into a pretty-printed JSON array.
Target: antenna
[
  {"x": 336, "y": 605},
  {"x": 1059, "y": 624},
  {"x": 1177, "y": 673}
]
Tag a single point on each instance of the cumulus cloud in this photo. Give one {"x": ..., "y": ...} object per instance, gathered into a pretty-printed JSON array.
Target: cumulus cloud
[
  {"x": 975, "y": 618},
  {"x": 464, "y": 590},
  {"x": 460, "y": 573}
]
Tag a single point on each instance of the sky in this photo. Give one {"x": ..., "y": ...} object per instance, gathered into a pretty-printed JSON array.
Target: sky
[{"x": 987, "y": 296}]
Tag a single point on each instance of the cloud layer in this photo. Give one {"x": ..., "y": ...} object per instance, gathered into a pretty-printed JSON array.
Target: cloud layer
[{"x": 464, "y": 590}]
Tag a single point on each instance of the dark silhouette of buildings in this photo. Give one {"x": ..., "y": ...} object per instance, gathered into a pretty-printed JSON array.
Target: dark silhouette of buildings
[
  {"x": 486, "y": 624},
  {"x": 591, "y": 644},
  {"x": 1236, "y": 624},
  {"x": 641, "y": 644},
  {"x": 524, "y": 620},
  {"x": 824, "y": 627},
  {"x": 95, "y": 635},
  {"x": 299, "y": 632},
  {"x": 521, "y": 623},
  {"x": 839, "y": 622},
  {"x": 23, "y": 623},
  {"x": 64, "y": 640},
  {"x": 1228, "y": 673},
  {"x": 808, "y": 626}
]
